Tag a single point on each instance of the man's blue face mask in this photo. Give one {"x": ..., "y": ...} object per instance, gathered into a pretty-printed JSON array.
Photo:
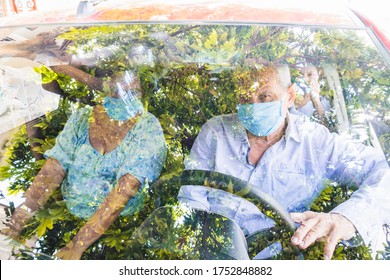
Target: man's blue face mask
[
  {"x": 261, "y": 119},
  {"x": 123, "y": 108}
]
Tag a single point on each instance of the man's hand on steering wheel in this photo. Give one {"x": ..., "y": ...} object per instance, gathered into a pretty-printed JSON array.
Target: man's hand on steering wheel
[{"x": 328, "y": 227}]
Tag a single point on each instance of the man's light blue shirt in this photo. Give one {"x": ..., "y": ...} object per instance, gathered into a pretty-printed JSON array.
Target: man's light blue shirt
[{"x": 292, "y": 171}]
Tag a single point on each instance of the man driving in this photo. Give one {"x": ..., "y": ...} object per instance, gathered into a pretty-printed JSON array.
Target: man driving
[{"x": 288, "y": 157}]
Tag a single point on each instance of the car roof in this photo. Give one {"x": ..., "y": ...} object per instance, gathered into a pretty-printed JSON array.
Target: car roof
[
  {"x": 200, "y": 11},
  {"x": 277, "y": 12}
]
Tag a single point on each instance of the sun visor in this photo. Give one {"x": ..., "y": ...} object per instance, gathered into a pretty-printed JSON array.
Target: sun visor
[{"x": 22, "y": 97}]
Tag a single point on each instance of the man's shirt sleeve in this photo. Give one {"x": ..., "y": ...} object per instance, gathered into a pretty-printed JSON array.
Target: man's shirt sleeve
[{"x": 202, "y": 156}]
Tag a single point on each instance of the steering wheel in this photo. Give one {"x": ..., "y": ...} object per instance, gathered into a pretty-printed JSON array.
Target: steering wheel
[
  {"x": 181, "y": 227},
  {"x": 284, "y": 226}
]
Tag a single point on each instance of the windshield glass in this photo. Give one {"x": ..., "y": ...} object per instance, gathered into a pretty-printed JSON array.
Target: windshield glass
[{"x": 179, "y": 76}]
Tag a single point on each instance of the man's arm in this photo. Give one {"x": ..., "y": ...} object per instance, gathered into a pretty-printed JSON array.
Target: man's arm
[
  {"x": 202, "y": 155},
  {"x": 365, "y": 211},
  {"x": 329, "y": 227},
  {"x": 102, "y": 219},
  {"x": 45, "y": 183}
]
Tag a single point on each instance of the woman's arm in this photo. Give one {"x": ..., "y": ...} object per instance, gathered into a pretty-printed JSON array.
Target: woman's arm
[
  {"x": 45, "y": 183},
  {"x": 102, "y": 219}
]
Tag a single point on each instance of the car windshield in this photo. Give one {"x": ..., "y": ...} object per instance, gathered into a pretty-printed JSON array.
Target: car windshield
[{"x": 183, "y": 75}]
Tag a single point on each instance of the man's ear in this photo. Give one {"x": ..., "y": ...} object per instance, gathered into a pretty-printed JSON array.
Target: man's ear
[{"x": 291, "y": 94}]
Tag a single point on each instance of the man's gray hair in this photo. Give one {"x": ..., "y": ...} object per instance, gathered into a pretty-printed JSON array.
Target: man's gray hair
[{"x": 284, "y": 75}]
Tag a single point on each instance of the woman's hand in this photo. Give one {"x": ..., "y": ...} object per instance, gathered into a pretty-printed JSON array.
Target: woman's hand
[
  {"x": 70, "y": 252},
  {"x": 15, "y": 227},
  {"x": 12, "y": 234},
  {"x": 45, "y": 183},
  {"x": 102, "y": 219}
]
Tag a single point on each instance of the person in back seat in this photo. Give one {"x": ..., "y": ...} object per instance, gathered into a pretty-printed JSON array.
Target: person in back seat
[{"x": 309, "y": 101}]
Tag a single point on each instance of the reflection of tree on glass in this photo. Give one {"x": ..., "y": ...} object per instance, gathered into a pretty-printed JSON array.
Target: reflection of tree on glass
[
  {"x": 102, "y": 160},
  {"x": 289, "y": 158},
  {"x": 180, "y": 233},
  {"x": 188, "y": 77}
]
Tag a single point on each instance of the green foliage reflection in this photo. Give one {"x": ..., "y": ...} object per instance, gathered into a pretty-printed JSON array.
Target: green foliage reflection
[{"x": 188, "y": 75}]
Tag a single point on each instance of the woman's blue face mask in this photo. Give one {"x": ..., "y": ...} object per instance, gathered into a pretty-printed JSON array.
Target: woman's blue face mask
[
  {"x": 123, "y": 108},
  {"x": 261, "y": 119}
]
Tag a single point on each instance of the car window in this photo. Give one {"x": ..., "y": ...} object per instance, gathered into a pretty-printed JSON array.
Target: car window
[
  {"x": 195, "y": 62},
  {"x": 188, "y": 74}
]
